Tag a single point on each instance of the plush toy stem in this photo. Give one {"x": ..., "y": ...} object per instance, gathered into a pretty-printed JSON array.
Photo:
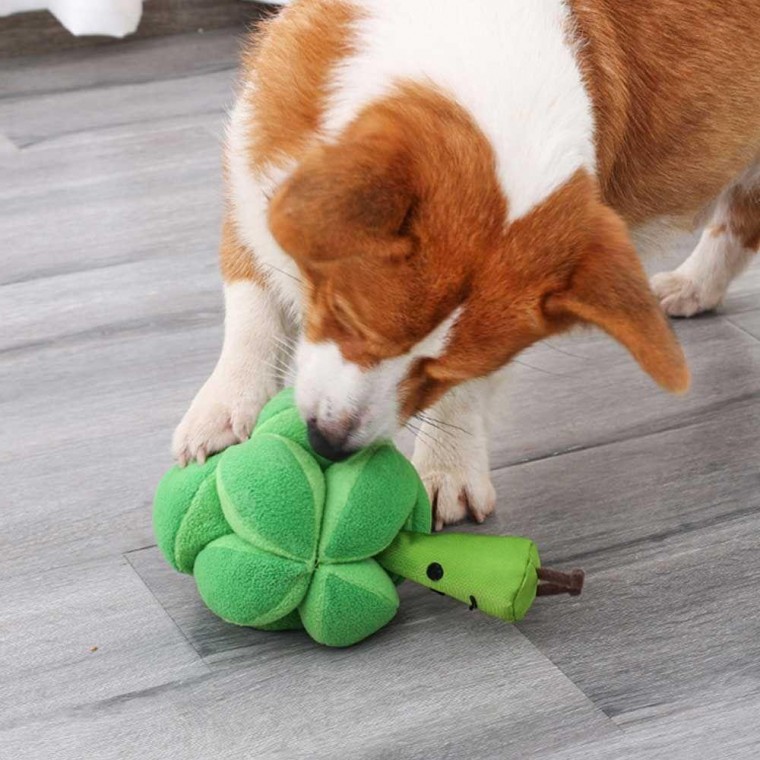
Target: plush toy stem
[
  {"x": 496, "y": 574},
  {"x": 556, "y": 582}
]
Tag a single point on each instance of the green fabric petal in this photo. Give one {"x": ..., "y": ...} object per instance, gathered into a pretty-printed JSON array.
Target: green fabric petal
[
  {"x": 369, "y": 498},
  {"x": 247, "y": 586},
  {"x": 272, "y": 494},
  {"x": 347, "y": 603},
  {"x": 203, "y": 523},
  {"x": 175, "y": 498},
  {"x": 280, "y": 417},
  {"x": 283, "y": 401},
  {"x": 421, "y": 519},
  {"x": 290, "y": 622}
]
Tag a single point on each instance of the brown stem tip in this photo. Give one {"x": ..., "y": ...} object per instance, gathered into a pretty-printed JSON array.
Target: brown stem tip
[{"x": 555, "y": 582}]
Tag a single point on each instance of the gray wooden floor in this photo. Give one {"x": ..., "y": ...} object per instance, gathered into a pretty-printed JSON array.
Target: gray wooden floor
[{"x": 110, "y": 318}]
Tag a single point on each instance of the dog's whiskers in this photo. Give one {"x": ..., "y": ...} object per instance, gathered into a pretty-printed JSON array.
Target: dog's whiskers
[
  {"x": 281, "y": 271},
  {"x": 540, "y": 369},
  {"x": 436, "y": 427},
  {"x": 431, "y": 441},
  {"x": 566, "y": 353},
  {"x": 281, "y": 373},
  {"x": 440, "y": 424}
]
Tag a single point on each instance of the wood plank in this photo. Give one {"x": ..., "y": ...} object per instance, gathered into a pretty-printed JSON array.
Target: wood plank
[
  {"x": 30, "y": 121},
  {"x": 76, "y": 637},
  {"x": 463, "y": 687},
  {"x": 586, "y": 391},
  {"x": 665, "y": 526},
  {"x": 111, "y": 201},
  {"x": 742, "y": 306},
  {"x": 132, "y": 62},
  {"x": 86, "y": 438},
  {"x": 714, "y": 730}
]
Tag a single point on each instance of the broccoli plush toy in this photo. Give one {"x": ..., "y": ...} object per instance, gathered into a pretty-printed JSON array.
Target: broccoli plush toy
[{"x": 279, "y": 538}]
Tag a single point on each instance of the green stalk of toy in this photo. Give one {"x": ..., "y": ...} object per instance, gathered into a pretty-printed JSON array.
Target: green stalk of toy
[{"x": 496, "y": 574}]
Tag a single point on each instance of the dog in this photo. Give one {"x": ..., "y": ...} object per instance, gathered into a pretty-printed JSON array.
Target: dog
[{"x": 419, "y": 190}]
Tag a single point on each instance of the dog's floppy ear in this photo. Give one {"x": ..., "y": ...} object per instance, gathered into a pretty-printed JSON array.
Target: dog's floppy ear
[
  {"x": 348, "y": 199},
  {"x": 608, "y": 288}
]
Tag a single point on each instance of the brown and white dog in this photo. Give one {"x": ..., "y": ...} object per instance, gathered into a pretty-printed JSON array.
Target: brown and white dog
[{"x": 418, "y": 190}]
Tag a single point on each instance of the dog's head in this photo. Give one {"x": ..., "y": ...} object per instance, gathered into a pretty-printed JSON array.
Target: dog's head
[{"x": 415, "y": 281}]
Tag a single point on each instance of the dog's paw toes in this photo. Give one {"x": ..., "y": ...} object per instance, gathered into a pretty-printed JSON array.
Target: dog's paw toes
[
  {"x": 456, "y": 496},
  {"x": 680, "y": 296},
  {"x": 213, "y": 424}
]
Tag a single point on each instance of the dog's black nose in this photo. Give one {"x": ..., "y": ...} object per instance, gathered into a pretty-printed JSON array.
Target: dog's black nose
[{"x": 329, "y": 446}]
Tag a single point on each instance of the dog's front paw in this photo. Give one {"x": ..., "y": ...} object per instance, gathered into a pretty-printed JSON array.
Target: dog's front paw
[
  {"x": 458, "y": 484},
  {"x": 682, "y": 296},
  {"x": 221, "y": 415}
]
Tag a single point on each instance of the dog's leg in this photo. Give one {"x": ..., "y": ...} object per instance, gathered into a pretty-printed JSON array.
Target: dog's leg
[
  {"x": 725, "y": 249},
  {"x": 248, "y": 372},
  {"x": 451, "y": 454}
]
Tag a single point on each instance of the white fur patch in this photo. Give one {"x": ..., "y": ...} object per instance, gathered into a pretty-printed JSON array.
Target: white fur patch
[
  {"x": 333, "y": 390},
  {"x": 701, "y": 282},
  {"x": 250, "y": 195},
  {"x": 510, "y": 63},
  {"x": 244, "y": 379},
  {"x": 451, "y": 453}
]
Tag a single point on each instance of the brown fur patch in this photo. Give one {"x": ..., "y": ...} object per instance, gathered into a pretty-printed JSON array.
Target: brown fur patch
[
  {"x": 718, "y": 230},
  {"x": 236, "y": 260},
  {"x": 676, "y": 88},
  {"x": 389, "y": 224},
  {"x": 289, "y": 62},
  {"x": 567, "y": 262},
  {"x": 744, "y": 216}
]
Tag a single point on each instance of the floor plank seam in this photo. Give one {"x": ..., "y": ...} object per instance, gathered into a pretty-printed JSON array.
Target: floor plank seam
[
  {"x": 189, "y": 320},
  {"x": 688, "y": 529},
  {"x": 90, "y": 708},
  {"x": 742, "y": 330},
  {"x": 165, "y": 612},
  {"x": 75, "y": 268},
  {"x": 16, "y": 99},
  {"x": 678, "y": 422},
  {"x": 609, "y": 720},
  {"x": 29, "y": 144}
]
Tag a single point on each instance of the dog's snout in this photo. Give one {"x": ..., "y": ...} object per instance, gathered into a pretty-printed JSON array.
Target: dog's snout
[{"x": 331, "y": 442}]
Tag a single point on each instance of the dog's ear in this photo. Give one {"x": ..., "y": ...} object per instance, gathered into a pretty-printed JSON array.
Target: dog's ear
[
  {"x": 349, "y": 199},
  {"x": 608, "y": 288}
]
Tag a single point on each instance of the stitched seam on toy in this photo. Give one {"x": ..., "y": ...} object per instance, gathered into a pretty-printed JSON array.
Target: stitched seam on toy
[
  {"x": 235, "y": 523},
  {"x": 327, "y": 560},
  {"x": 360, "y": 557},
  {"x": 528, "y": 567},
  {"x": 286, "y": 605},
  {"x": 176, "y": 551},
  {"x": 368, "y": 589}
]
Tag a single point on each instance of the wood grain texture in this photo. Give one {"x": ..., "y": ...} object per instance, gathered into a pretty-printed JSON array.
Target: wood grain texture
[
  {"x": 410, "y": 692},
  {"x": 110, "y": 318},
  {"x": 70, "y": 635},
  {"x": 130, "y": 62}
]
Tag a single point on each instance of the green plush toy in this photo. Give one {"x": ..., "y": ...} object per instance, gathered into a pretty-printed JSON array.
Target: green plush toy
[{"x": 279, "y": 538}]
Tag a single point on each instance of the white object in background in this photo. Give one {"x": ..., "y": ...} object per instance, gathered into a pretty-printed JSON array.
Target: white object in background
[{"x": 114, "y": 18}]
